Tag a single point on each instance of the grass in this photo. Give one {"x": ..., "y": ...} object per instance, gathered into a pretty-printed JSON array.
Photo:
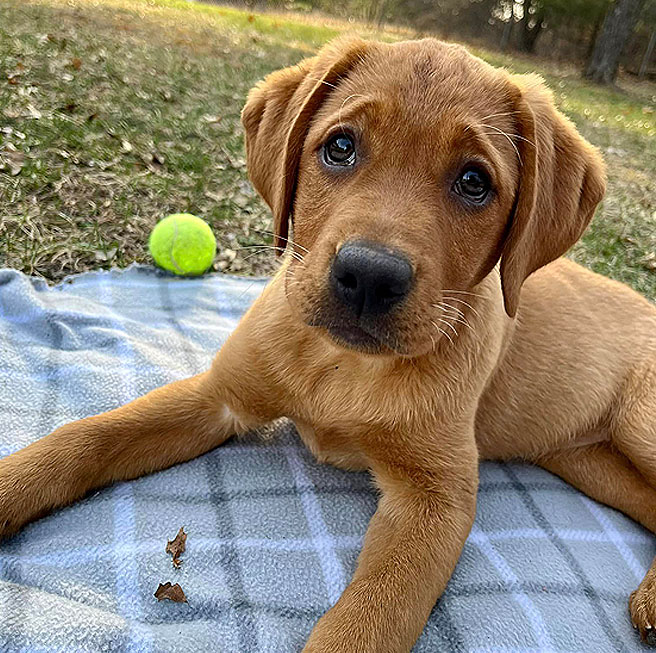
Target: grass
[{"x": 114, "y": 114}]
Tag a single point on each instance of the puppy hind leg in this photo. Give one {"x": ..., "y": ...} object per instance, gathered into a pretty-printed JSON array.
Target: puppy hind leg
[
  {"x": 608, "y": 476},
  {"x": 633, "y": 427},
  {"x": 633, "y": 432}
]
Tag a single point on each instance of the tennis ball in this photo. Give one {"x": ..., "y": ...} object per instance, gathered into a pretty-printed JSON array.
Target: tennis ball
[{"x": 183, "y": 244}]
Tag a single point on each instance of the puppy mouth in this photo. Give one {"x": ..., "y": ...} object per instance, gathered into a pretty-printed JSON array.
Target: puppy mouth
[
  {"x": 341, "y": 327},
  {"x": 354, "y": 337},
  {"x": 352, "y": 334}
]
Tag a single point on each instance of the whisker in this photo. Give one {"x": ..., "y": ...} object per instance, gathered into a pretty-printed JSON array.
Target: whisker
[
  {"x": 458, "y": 320},
  {"x": 453, "y": 308},
  {"x": 517, "y": 136},
  {"x": 339, "y": 113},
  {"x": 288, "y": 240},
  {"x": 461, "y": 318},
  {"x": 510, "y": 140},
  {"x": 322, "y": 81},
  {"x": 248, "y": 287},
  {"x": 495, "y": 115},
  {"x": 291, "y": 253},
  {"x": 462, "y": 301},
  {"x": 455, "y": 331},
  {"x": 295, "y": 255},
  {"x": 267, "y": 246},
  {"x": 465, "y": 292},
  {"x": 443, "y": 332},
  {"x": 245, "y": 258}
]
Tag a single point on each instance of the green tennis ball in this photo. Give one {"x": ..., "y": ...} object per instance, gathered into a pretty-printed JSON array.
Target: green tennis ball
[{"x": 183, "y": 244}]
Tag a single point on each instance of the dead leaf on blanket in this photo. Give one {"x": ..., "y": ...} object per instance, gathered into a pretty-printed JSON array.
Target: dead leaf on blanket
[
  {"x": 170, "y": 592},
  {"x": 177, "y": 547}
]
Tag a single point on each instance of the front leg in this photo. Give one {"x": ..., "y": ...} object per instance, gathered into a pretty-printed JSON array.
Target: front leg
[
  {"x": 169, "y": 425},
  {"x": 410, "y": 551}
]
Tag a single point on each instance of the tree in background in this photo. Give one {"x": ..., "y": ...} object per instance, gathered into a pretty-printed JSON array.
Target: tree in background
[
  {"x": 532, "y": 24},
  {"x": 618, "y": 26},
  {"x": 647, "y": 26},
  {"x": 569, "y": 30},
  {"x": 579, "y": 17}
]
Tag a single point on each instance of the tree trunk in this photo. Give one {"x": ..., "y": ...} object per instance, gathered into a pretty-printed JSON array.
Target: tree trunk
[
  {"x": 507, "y": 28},
  {"x": 529, "y": 35},
  {"x": 648, "y": 52},
  {"x": 478, "y": 14},
  {"x": 593, "y": 38},
  {"x": 618, "y": 25}
]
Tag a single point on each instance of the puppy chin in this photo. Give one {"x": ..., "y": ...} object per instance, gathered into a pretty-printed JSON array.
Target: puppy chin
[
  {"x": 353, "y": 337},
  {"x": 360, "y": 341},
  {"x": 346, "y": 332}
]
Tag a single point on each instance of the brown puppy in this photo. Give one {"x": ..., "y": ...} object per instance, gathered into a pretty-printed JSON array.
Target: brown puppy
[{"x": 390, "y": 336}]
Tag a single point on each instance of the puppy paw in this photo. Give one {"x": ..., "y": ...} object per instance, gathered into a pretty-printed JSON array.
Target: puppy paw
[{"x": 642, "y": 607}]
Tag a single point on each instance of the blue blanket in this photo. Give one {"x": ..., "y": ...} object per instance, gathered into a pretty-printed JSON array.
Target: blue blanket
[{"x": 273, "y": 535}]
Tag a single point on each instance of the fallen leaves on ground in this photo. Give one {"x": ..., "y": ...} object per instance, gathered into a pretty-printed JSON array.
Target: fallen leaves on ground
[
  {"x": 170, "y": 592},
  {"x": 177, "y": 546}
]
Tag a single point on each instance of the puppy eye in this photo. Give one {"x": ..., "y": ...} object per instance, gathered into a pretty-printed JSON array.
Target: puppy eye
[
  {"x": 339, "y": 150},
  {"x": 473, "y": 184}
]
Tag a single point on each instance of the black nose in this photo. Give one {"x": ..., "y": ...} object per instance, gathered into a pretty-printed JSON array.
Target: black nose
[{"x": 370, "y": 279}]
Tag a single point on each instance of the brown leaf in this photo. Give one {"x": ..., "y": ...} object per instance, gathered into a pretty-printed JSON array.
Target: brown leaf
[
  {"x": 170, "y": 592},
  {"x": 177, "y": 546}
]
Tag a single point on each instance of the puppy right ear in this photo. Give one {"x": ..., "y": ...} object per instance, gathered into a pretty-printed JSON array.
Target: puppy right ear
[
  {"x": 562, "y": 179},
  {"x": 276, "y": 120}
]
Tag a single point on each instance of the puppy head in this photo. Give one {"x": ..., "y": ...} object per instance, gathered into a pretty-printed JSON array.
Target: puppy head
[{"x": 408, "y": 171}]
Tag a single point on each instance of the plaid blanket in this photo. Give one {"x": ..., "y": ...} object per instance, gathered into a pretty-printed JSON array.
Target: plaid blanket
[{"x": 273, "y": 535}]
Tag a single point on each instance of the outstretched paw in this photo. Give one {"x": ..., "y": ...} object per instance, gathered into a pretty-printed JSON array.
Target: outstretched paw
[{"x": 642, "y": 607}]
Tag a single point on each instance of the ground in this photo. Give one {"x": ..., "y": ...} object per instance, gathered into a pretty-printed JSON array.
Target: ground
[{"x": 114, "y": 114}]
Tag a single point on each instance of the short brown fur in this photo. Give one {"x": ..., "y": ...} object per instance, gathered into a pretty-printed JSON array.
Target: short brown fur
[{"x": 502, "y": 350}]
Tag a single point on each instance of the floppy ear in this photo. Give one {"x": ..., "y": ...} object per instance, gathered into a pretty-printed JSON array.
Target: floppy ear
[
  {"x": 276, "y": 120},
  {"x": 562, "y": 179}
]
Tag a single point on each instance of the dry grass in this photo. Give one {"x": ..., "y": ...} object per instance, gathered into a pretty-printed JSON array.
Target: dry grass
[{"x": 114, "y": 114}]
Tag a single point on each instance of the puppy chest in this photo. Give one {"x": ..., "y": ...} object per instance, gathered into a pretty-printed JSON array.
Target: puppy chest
[{"x": 333, "y": 445}]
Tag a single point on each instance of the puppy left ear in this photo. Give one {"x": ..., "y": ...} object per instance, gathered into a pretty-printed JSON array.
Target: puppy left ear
[
  {"x": 562, "y": 179},
  {"x": 276, "y": 120}
]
